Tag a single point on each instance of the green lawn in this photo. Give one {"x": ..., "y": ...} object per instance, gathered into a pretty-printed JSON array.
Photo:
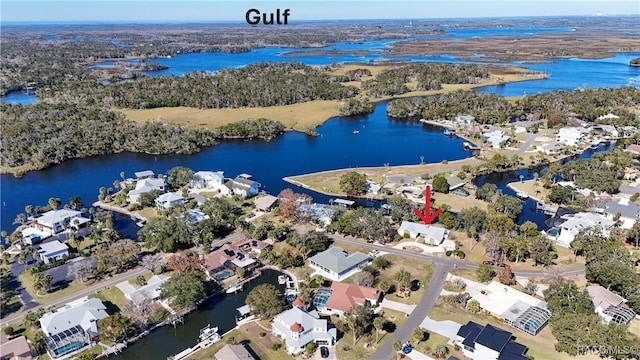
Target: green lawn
[
  {"x": 147, "y": 276},
  {"x": 26, "y": 278},
  {"x": 111, "y": 295},
  {"x": 426, "y": 347}
]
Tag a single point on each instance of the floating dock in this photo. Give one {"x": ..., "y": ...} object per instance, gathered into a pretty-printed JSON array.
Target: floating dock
[{"x": 208, "y": 336}]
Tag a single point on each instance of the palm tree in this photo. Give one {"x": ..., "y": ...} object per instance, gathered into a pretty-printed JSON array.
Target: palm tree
[
  {"x": 521, "y": 178},
  {"x": 28, "y": 209},
  {"x": 122, "y": 175},
  {"x": 42, "y": 282},
  {"x": 441, "y": 351},
  {"x": 352, "y": 322},
  {"x": 397, "y": 345},
  {"x": 378, "y": 324}
]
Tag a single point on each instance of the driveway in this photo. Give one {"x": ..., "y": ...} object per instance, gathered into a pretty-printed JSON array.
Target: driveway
[
  {"x": 446, "y": 328},
  {"x": 332, "y": 353},
  {"x": 397, "y": 306}
]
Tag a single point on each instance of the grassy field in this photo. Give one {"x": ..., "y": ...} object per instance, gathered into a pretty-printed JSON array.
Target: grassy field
[
  {"x": 426, "y": 347},
  {"x": 540, "y": 346},
  {"x": 26, "y": 278},
  {"x": 533, "y": 188},
  {"x": 111, "y": 295},
  {"x": 366, "y": 345},
  {"x": 249, "y": 335},
  {"x": 301, "y": 117},
  {"x": 327, "y": 182}
]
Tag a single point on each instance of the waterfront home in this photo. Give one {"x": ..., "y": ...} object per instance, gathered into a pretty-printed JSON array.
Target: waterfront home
[
  {"x": 324, "y": 214},
  {"x": 52, "y": 251},
  {"x": 373, "y": 188},
  {"x": 633, "y": 149},
  {"x": 610, "y": 306},
  {"x": 56, "y": 221},
  {"x": 522, "y": 126},
  {"x": 233, "y": 352},
  {"x": 145, "y": 186},
  {"x": 344, "y": 203},
  {"x": 455, "y": 182},
  {"x": 342, "y": 297},
  {"x": 298, "y": 328},
  {"x": 242, "y": 186},
  {"x": 565, "y": 232},
  {"x": 549, "y": 147},
  {"x": 570, "y": 136},
  {"x": 149, "y": 291},
  {"x": 488, "y": 343},
  {"x": 254, "y": 247},
  {"x": 429, "y": 234},
  {"x": 73, "y": 327},
  {"x": 169, "y": 200},
  {"x": 144, "y": 174},
  {"x": 627, "y": 211},
  {"x": 515, "y": 308},
  {"x": 207, "y": 180},
  {"x": 15, "y": 349},
  {"x": 194, "y": 216},
  {"x": 266, "y": 203},
  {"x": 607, "y": 129},
  {"x": 223, "y": 262},
  {"x": 336, "y": 264},
  {"x": 496, "y": 138},
  {"x": 464, "y": 120}
]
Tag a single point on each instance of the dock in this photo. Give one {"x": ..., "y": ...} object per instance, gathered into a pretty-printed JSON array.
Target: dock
[{"x": 208, "y": 336}]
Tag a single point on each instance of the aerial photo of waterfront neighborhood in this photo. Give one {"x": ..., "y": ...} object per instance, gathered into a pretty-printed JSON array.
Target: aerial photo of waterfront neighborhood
[{"x": 320, "y": 180}]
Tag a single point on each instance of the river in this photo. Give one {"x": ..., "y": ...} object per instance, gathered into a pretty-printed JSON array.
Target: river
[{"x": 220, "y": 311}]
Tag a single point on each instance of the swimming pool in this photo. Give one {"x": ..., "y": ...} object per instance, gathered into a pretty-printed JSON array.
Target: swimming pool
[
  {"x": 224, "y": 274},
  {"x": 321, "y": 297},
  {"x": 67, "y": 348}
]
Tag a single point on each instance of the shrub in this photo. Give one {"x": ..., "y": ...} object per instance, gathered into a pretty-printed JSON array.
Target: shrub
[
  {"x": 8, "y": 330},
  {"x": 448, "y": 252},
  {"x": 276, "y": 346},
  {"x": 262, "y": 334},
  {"x": 460, "y": 254},
  {"x": 406, "y": 235}
]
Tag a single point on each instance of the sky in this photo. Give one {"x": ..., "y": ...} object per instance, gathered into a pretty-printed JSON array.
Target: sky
[{"x": 214, "y": 10}]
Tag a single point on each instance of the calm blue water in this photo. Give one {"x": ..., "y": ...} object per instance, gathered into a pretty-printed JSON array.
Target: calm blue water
[
  {"x": 381, "y": 140},
  {"x": 19, "y": 97}
]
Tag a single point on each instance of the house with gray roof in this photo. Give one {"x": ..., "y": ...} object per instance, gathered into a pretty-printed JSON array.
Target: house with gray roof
[
  {"x": 242, "y": 186},
  {"x": 149, "y": 291},
  {"x": 52, "y": 251},
  {"x": 627, "y": 209},
  {"x": 145, "y": 186},
  {"x": 233, "y": 352},
  {"x": 207, "y": 180},
  {"x": 298, "y": 328},
  {"x": 72, "y": 327},
  {"x": 169, "y": 200},
  {"x": 432, "y": 235},
  {"x": 144, "y": 174},
  {"x": 336, "y": 264},
  {"x": 56, "y": 221}
]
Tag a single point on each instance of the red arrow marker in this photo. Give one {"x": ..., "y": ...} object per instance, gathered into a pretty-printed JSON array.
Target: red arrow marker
[{"x": 427, "y": 217}]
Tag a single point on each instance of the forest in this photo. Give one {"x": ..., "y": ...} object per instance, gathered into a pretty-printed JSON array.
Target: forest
[{"x": 584, "y": 104}]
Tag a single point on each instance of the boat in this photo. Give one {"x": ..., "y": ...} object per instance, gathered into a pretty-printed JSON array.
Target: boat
[
  {"x": 234, "y": 288},
  {"x": 208, "y": 332},
  {"x": 522, "y": 195},
  {"x": 470, "y": 146},
  {"x": 356, "y": 132},
  {"x": 449, "y": 132},
  {"x": 594, "y": 145}
]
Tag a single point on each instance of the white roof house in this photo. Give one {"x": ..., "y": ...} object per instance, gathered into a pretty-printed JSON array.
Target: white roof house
[
  {"x": 515, "y": 307},
  {"x": 57, "y": 220},
  {"x": 336, "y": 264},
  {"x": 610, "y": 306},
  {"x": 208, "y": 180},
  {"x": 169, "y": 200},
  {"x": 549, "y": 147},
  {"x": 150, "y": 291},
  {"x": 430, "y": 234},
  {"x": 628, "y": 210},
  {"x": 464, "y": 119},
  {"x": 52, "y": 251},
  {"x": 298, "y": 328},
  {"x": 145, "y": 186},
  {"x": 72, "y": 327},
  {"x": 567, "y": 231},
  {"x": 143, "y": 174},
  {"x": 496, "y": 138},
  {"x": 570, "y": 136}
]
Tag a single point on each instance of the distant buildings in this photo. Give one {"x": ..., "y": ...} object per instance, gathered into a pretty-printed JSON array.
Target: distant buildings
[
  {"x": 633, "y": 149},
  {"x": 496, "y": 138},
  {"x": 298, "y": 328},
  {"x": 488, "y": 343},
  {"x": 72, "y": 327},
  {"x": 336, "y": 264}
]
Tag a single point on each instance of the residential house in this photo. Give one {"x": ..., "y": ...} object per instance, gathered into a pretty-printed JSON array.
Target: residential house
[
  {"x": 570, "y": 136},
  {"x": 233, "y": 352},
  {"x": 144, "y": 174},
  {"x": 630, "y": 173},
  {"x": 455, "y": 182},
  {"x": 607, "y": 129},
  {"x": 207, "y": 180},
  {"x": 52, "y": 251},
  {"x": 488, "y": 343},
  {"x": 321, "y": 213},
  {"x": 221, "y": 263},
  {"x": 149, "y": 291},
  {"x": 564, "y": 233},
  {"x": 430, "y": 234},
  {"x": 298, "y": 328},
  {"x": 72, "y": 327},
  {"x": 195, "y": 216},
  {"x": 169, "y": 200},
  {"x": 15, "y": 349},
  {"x": 610, "y": 306},
  {"x": 373, "y": 188},
  {"x": 145, "y": 186},
  {"x": 464, "y": 120},
  {"x": 56, "y": 221},
  {"x": 344, "y": 297},
  {"x": 549, "y": 147},
  {"x": 266, "y": 203},
  {"x": 609, "y": 116},
  {"x": 522, "y": 126},
  {"x": 496, "y": 138},
  {"x": 517, "y": 309},
  {"x": 336, "y": 264},
  {"x": 627, "y": 210},
  {"x": 244, "y": 187},
  {"x": 633, "y": 149},
  {"x": 254, "y": 247}
]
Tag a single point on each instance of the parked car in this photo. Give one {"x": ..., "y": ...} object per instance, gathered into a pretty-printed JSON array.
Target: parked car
[
  {"x": 502, "y": 265},
  {"x": 488, "y": 262},
  {"x": 406, "y": 349},
  {"x": 324, "y": 352}
]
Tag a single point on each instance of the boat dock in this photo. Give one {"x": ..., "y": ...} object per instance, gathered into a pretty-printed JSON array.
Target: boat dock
[
  {"x": 208, "y": 336},
  {"x": 470, "y": 146}
]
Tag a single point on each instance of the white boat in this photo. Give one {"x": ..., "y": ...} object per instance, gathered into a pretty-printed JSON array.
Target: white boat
[
  {"x": 356, "y": 132},
  {"x": 594, "y": 145},
  {"x": 234, "y": 288},
  {"x": 522, "y": 195},
  {"x": 208, "y": 332}
]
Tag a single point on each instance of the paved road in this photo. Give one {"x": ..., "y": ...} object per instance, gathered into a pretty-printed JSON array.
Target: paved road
[
  {"x": 525, "y": 145},
  {"x": 403, "y": 333}
]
